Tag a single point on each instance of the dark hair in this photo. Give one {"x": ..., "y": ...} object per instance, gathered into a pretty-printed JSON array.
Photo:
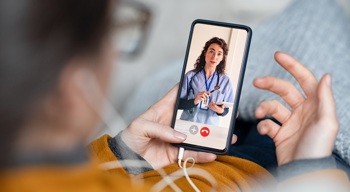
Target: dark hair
[
  {"x": 38, "y": 38},
  {"x": 200, "y": 62}
]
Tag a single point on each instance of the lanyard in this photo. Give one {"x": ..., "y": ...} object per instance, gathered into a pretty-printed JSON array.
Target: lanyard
[{"x": 210, "y": 82}]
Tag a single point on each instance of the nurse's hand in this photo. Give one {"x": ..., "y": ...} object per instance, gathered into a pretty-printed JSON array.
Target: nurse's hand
[
  {"x": 310, "y": 128},
  {"x": 150, "y": 135},
  {"x": 201, "y": 96},
  {"x": 216, "y": 108}
]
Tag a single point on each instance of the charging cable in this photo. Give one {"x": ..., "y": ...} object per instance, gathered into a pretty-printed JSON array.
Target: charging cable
[
  {"x": 180, "y": 156},
  {"x": 184, "y": 167},
  {"x": 168, "y": 179}
]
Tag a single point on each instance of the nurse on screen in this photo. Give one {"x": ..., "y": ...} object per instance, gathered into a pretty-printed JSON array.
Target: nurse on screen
[{"x": 206, "y": 86}]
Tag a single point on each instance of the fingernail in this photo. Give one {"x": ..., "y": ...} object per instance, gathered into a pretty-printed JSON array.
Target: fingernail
[
  {"x": 329, "y": 80},
  {"x": 211, "y": 157},
  {"x": 258, "y": 80},
  {"x": 180, "y": 135}
]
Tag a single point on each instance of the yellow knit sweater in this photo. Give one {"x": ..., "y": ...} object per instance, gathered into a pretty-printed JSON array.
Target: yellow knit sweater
[{"x": 231, "y": 174}]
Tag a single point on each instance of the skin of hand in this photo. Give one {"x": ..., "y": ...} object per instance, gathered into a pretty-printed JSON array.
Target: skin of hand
[
  {"x": 201, "y": 96},
  {"x": 150, "y": 135},
  {"x": 217, "y": 108},
  {"x": 309, "y": 128}
]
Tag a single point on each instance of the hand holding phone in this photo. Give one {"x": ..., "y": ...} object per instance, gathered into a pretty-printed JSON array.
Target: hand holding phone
[
  {"x": 212, "y": 76},
  {"x": 150, "y": 137}
]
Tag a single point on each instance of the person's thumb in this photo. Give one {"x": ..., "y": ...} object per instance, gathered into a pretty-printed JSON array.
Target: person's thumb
[{"x": 326, "y": 108}]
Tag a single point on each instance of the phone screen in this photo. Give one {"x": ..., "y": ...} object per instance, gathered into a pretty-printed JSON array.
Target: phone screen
[{"x": 210, "y": 84}]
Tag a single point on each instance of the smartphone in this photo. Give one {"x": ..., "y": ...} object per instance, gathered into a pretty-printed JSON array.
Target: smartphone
[{"x": 210, "y": 85}]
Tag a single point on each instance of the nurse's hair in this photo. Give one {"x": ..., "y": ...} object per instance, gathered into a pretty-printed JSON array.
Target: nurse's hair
[
  {"x": 200, "y": 62},
  {"x": 38, "y": 38}
]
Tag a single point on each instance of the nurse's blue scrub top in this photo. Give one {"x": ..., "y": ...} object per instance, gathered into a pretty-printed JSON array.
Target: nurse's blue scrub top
[{"x": 224, "y": 94}]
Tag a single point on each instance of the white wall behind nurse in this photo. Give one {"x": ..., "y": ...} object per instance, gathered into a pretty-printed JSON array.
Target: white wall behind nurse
[
  {"x": 202, "y": 34},
  {"x": 234, "y": 61}
]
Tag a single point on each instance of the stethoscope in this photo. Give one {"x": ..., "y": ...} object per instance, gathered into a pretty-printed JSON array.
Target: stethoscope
[{"x": 191, "y": 90}]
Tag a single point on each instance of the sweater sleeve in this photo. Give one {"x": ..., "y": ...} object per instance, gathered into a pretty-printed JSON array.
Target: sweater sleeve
[
  {"x": 312, "y": 175},
  {"x": 299, "y": 167},
  {"x": 321, "y": 180},
  {"x": 108, "y": 149},
  {"x": 103, "y": 154},
  {"x": 126, "y": 155}
]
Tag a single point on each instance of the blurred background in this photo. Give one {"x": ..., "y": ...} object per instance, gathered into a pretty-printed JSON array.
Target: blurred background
[{"x": 166, "y": 45}]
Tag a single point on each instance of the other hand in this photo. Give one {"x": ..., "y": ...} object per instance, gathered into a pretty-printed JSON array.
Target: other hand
[
  {"x": 310, "y": 128},
  {"x": 150, "y": 135}
]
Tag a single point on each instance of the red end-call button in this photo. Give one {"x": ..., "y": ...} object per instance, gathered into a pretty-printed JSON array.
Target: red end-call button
[{"x": 205, "y": 131}]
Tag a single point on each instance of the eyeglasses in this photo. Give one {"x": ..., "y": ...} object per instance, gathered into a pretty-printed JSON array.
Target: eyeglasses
[{"x": 130, "y": 28}]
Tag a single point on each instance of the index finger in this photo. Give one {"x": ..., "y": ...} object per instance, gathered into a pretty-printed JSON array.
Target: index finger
[
  {"x": 200, "y": 157},
  {"x": 303, "y": 75}
]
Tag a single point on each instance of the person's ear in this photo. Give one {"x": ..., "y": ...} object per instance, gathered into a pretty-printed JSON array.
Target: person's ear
[
  {"x": 85, "y": 82},
  {"x": 72, "y": 80},
  {"x": 75, "y": 91}
]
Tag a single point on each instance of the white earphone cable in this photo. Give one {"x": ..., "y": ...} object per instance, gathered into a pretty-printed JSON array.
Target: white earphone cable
[{"x": 184, "y": 167}]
